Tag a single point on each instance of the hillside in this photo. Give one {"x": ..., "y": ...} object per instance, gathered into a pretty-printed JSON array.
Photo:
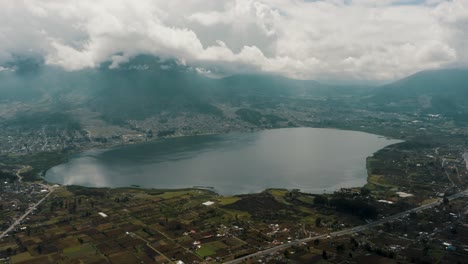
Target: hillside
[
  {"x": 146, "y": 86},
  {"x": 442, "y": 92}
]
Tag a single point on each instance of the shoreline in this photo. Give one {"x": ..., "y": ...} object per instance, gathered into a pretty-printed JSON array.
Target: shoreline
[{"x": 325, "y": 190}]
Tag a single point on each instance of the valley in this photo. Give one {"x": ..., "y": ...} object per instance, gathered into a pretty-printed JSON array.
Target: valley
[{"x": 121, "y": 225}]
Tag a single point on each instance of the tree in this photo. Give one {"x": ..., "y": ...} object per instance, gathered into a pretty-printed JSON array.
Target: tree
[
  {"x": 324, "y": 254},
  {"x": 320, "y": 200},
  {"x": 340, "y": 248},
  {"x": 365, "y": 192},
  {"x": 318, "y": 222},
  {"x": 39, "y": 248},
  {"x": 445, "y": 201},
  {"x": 354, "y": 242}
]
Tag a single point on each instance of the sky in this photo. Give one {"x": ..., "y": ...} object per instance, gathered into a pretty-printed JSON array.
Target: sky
[{"x": 304, "y": 39}]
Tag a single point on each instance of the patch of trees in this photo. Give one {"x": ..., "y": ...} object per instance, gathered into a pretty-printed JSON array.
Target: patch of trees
[
  {"x": 379, "y": 251},
  {"x": 123, "y": 199},
  {"x": 273, "y": 119},
  {"x": 208, "y": 109},
  {"x": 256, "y": 118},
  {"x": 87, "y": 191},
  {"x": 7, "y": 176},
  {"x": 165, "y": 133},
  {"x": 36, "y": 120},
  {"x": 320, "y": 200},
  {"x": 264, "y": 207},
  {"x": 172, "y": 225},
  {"x": 250, "y": 116},
  {"x": 354, "y": 207}
]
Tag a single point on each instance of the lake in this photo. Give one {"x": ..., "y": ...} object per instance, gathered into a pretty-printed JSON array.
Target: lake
[{"x": 310, "y": 159}]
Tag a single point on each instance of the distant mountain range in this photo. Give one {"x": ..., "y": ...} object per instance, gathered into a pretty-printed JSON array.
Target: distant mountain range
[{"x": 146, "y": 86}]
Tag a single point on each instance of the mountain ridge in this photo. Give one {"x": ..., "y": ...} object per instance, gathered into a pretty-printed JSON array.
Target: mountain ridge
[{"x": 146, "y": 86}]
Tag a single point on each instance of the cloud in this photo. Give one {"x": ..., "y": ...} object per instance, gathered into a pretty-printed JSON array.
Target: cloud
[
  {"x": 241, "y": 13},
  {"x": 5, "y": 69},
  {"x": 453, "y": 17},
  {"x": 346, "y": 39}
]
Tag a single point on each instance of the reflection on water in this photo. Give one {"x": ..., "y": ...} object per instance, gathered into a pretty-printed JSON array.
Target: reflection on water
[
  {"x": 82, "y": 171},
  {"x": 309, "y": 159}
]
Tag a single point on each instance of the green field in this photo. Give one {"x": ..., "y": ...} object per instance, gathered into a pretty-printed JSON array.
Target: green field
[
  {"x": 81, "y": 250},
  {"x": 210, "y": 249}
]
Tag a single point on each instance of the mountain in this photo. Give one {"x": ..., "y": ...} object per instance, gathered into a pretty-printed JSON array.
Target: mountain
[
  {"x": 432, "y": 92},
  {"x": 146, "y": 86},
  {"x": 278, "y": 86}
]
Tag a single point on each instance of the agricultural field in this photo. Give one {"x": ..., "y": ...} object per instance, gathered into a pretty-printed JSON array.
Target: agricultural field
[{"x": 78, "y": 224}]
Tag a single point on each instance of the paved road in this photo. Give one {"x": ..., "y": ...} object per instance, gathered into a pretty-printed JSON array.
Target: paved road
[
  {"x": 18, "y": 221},
  {"x": 346, "y": 231}
]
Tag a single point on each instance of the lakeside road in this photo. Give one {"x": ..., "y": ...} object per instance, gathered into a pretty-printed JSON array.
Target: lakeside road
[
  {"x": 30, "y": 209},
  {"x": 346, "y": 231}
]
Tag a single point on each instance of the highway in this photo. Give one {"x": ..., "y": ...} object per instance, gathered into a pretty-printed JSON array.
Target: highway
[{"x": 346, "y": 231}]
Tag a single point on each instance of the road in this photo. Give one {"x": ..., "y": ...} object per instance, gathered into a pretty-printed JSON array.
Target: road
[
  {"x": 20, "y": 178},
  {"x": 346, "y": 231},
  {"x": 465, "y": 156},
  {"x": 149, "y": 245},
  {"x": 19, "y": 220}
]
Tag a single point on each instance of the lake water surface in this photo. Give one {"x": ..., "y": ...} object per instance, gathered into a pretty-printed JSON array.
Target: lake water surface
[{"x": 310, "y": 159}]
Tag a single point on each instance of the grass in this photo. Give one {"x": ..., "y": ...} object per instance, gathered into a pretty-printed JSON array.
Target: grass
[
  {"x": 123, "y": 257},
  {"x": 306, "y": 199},
  {"x": 234, "y": 242},
  {"x": 9, "y": 245},
  {"x": 279, "y": 194},
  {"x": 181, "y": 193},
  {"x": 306, "y": 210},
  {"x": 240, "y": 214},
  {"x": 379, "y": 181},
  {"x": 428, "y": 201},
  {"x": 25, "y": 169},
  {"x": 81, "y": 250},
  {"x": 21, "y": 257},
  {"x": 62, "y": 192},
  {"x": 210, "y": 249},
  {"x": 228, "y": 200},
  {"x": 205, "y": 251},
  {"x": 68, "y": 242}
]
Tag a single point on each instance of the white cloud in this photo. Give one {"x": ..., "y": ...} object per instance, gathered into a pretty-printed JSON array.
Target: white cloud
[
  {"x": 5, "y": 69},
  {"x": 453, "y": 17},
  {"x": 355, "y": 39},
  {"x": 241, "y": 13}
]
